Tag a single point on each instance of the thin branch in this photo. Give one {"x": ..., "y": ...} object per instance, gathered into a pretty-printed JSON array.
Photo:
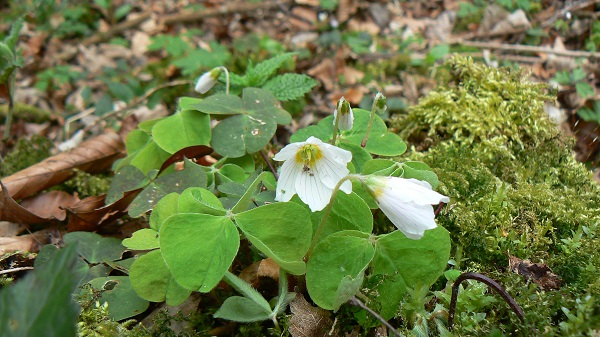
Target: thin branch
[
  {"x": 14, "y": 270},
  {"x": 575, "y": 5},
  {"x": 182, "y": 17},
  {"x": 529, "y": 49},
  {"x": 492, "y": 284},
  {"x": 266, "y": 159},
  {"x": 356, "y": 302}
]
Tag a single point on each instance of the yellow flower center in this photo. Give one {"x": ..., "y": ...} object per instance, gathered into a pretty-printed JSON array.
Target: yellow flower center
[{"x": 308, "y": 155}]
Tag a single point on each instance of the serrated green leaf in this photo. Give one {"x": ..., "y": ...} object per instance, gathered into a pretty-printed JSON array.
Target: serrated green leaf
[
  {"x": 584, "y": 89},
  {"x": 152, "y": 280},
  {"x": 198, "y": 248},
  {"x": 336, "y": 268},
  {"x": 289, "y": 87},
  {"x": 282, "y": 231},
  {"x": 257, "y": 75}
]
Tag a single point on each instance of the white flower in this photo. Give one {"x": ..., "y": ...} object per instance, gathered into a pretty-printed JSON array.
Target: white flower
[
  {"x": 207, "y": 80},
  {"x": 345, "y": 115},
  {"x": 406, "y": 202},
  {"x": 311, "y": 170}
]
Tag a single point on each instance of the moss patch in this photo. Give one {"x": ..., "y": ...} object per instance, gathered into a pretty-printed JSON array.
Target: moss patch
[{"x": 515, "y": 189}]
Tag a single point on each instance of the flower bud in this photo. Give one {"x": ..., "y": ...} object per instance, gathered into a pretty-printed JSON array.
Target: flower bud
[
  {"x": 344, "y": 113},
  {"x": 380, "y": 102},
  {"x": 208, "y": 80}
]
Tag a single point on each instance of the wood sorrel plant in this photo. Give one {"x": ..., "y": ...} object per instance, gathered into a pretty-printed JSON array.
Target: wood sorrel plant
[{"x": 202, "y": 212}]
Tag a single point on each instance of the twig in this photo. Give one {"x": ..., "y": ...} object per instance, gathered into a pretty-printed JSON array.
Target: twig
[
  {"x": 492, "y": 284},
  {"x": 129, "y": 106},
  {"x": 530, "y": 49},
  {"x": 572, "y": 7},
  {"x": 185, "y": 16},
  {"x": 14, "y": 270},
  {"x": 356, "y": 302},
  {"x": 266, "y": 159}
]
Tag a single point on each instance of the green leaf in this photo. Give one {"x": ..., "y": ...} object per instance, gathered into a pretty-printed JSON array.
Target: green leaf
[
  {"x": 257, "y": 76},
  {"x": 380, "y": 167},
  {"x": 41, "y": 304},
  {"x": 251, "y": 191},
  {"x": 349, "y": 212},
  {"x": 408, "y": 263},
  {"x": 183, "y": 129},
  {"x": 123, "y": 301},
  {"x": 198, "y": 248},
  {"x": 584, "y": 89},
  {"x": 200, "y": 200},
  {"x": 336, "y": 268},
  {"x": 173, "y": 45},
  {"x": 191, "y": 176},
  {"x": 289, "y": 87},
  {"x": 143, "y": 239},
  {"x": 359, "y": 155},
  {"x": 128, "y": 178},
  {"x": 152, "y": 280},
  {"x": 419, "y": 170},
  {"x": 167, "y": 206},
  {"x": 381, "y": 142},
  {"x": 242, "y": 309},
  {"x": 257, "y": 114},
  {"x": 94, "y": 248},
  {"x": 282, "y": 231}
]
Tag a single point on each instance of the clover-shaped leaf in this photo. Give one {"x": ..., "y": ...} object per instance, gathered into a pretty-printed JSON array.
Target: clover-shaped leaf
[
  {"x": 381, "y": 141},
  {"x": 254, "y": 121}
]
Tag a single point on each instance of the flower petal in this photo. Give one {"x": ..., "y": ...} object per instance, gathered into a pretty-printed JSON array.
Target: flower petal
[
  {"x": 330, "y": 171},
  {"x": 286, "y": 185},
  {"x": 413, "y": 220},
  {"x": 288, "y": 152},
  {"x": 412, "y": 190},
  {"x": 311, "y": 190}
]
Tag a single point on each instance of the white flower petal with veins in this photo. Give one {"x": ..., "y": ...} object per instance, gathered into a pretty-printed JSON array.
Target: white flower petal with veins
[
  {"x": 406, "y": 202},
  {"x": 312, "y": 169}
]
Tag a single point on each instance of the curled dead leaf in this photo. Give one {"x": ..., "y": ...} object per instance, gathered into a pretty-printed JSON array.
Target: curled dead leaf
[
  {"x": 538, "y": 273},
  {"x": 91, "y": 156},
  {"x": 309, "y": 321}
]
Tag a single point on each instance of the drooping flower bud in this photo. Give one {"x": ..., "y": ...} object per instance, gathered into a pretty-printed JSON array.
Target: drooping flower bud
[
  {"x": 208, "y": 80},
  {"x": 344, "y": 113},
  {"x": 380, "y": 102}
]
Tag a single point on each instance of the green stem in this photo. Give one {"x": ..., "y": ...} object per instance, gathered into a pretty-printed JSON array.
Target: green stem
[
  {"x": 226, "y": 80},
  {"x": 335, "y": 130},
  {"x": 326, "y": 215},
  {"x": 373, "y": 109}
]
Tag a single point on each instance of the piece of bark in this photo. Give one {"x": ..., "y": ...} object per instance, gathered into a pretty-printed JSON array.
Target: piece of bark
[{"x": 538, "y": 273}]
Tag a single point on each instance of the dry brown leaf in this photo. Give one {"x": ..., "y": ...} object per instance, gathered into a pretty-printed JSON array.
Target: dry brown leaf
[
  {"x": 309, "y": 321},
  {"x": 11, "y": 229},
  {"x": 27, "y": 243},
  {"x": 539, "y": 273},
  {"x": 11, "y": 211},
  {"x": 92, "y": 156},
  {"x": 50, "y": 205},
  {"x": 92, "y": 212},
  {"x": 263, "y": 268}
]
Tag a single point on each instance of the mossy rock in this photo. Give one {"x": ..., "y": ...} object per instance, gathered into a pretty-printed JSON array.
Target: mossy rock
[{"x": 515, "y": 189}]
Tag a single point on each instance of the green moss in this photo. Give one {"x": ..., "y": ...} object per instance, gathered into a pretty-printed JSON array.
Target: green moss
[
  {"x": 27, "y": 112},
  {"x": 86, "y": 184},
  {"x": 515, "y": 189},
  {"x": 25, "y": 153}
]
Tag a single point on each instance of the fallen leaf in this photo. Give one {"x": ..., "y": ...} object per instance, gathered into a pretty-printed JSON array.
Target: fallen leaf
[
  {"x": 539, "y": 273},
  {"x": 92, "y": 156},
  {"x": 27, "y": 243},
  {"x": 263, "y": 268},
  {"x": 309, "y": 321},
  {"x": 50, "y": 205},
  {"x": 91, "y": 212}
]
